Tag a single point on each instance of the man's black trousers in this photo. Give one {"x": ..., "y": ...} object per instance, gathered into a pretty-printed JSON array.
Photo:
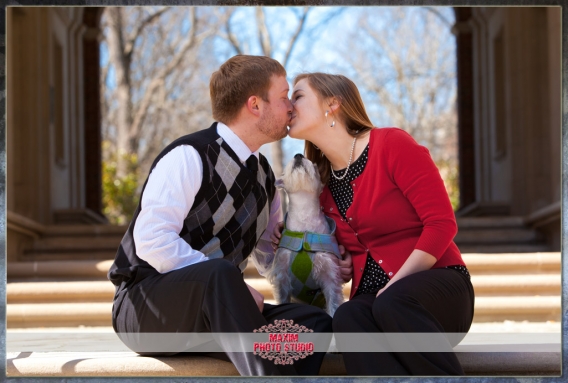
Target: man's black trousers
[{"x": 211, "y": 297}]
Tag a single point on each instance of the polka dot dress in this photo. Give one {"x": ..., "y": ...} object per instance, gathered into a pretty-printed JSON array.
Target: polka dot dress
[
  {"x": 374, "y": 277},
  {"x": 341, "y": 190},
  {"x": 461, "y": 269}
]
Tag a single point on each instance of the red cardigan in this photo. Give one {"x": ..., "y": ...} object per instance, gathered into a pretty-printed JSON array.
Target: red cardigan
[{"x": 399, "y": 204}]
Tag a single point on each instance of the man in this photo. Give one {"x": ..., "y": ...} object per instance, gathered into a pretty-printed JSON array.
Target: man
[{"x": 208, "y": 202}]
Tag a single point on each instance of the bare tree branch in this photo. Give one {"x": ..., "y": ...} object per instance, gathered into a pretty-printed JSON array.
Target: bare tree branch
[
  {"x": 263, "y": 34},
  {"x": 158, "y": 81},
  {"x": 129, "y": 47},
  {"x": 230, "y": 35},
  {"x": 297, "y": 33},
  {"x": 439, "y": 15}
]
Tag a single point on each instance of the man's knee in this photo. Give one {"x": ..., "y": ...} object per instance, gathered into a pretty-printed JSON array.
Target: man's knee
[{"x": 223, "y": 271}]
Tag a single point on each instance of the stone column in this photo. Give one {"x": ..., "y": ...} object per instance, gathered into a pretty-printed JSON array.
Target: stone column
[
  {"x": 92, "y": 118},
  {"x": 465, "y": 109}
]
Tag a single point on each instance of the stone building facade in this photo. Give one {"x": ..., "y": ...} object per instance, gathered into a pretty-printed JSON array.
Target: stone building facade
[{"x": 509, "y": 113}]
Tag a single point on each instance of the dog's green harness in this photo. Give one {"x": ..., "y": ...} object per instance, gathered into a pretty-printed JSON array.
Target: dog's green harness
[{"x": 304, "y": 245}]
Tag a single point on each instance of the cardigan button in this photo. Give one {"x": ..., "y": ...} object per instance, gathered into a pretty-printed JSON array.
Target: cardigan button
[
  {"x": 330, "y": 209},
  {"x": 353, "y": 185},
  {"x": 380, "y": 261},
  {"x": 367, "y": 250},
  {"x": 390, "y": 273},
  {"x": 350, "y": 218},
  {"x": 356, "y": 234},
  {"x": 361, "y": 269}
]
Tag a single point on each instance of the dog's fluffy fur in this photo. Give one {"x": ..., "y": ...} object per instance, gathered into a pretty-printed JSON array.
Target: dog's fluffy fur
[{"x": 302, "y": 183}]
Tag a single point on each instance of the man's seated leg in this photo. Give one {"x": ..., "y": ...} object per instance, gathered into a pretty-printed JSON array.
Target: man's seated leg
[{"x": 210, "y": 296}]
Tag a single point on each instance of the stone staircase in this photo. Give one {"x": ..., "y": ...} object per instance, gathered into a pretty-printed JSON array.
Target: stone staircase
[
  {"x": 518, "y": 287},
  {"x": 61, "y": 281},
  {"x": 498, "y": 235}
]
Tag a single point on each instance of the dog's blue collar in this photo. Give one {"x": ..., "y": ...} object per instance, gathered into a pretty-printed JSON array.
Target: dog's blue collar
[{"x": 310, "y": 241}]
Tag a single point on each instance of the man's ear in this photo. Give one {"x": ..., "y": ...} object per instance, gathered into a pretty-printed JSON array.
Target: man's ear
[
  {"x": 253, "y": 105},
  {"x": 279, "y": 184}
]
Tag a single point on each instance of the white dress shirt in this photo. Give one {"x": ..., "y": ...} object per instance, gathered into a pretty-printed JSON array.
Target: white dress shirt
[{"x": 167, "y": 200}]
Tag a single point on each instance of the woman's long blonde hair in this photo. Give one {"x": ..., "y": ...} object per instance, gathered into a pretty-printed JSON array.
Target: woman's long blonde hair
[{"x": 351, "y": 112}]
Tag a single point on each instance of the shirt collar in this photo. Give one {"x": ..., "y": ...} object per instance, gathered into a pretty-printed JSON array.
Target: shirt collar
[{"x": 238, "y": 146}]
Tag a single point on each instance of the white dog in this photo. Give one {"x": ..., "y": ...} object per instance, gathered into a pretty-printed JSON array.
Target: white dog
[{"x": 303, "y": 268}]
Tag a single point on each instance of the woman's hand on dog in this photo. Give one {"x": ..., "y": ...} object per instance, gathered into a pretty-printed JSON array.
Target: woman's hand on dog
[
  {"x": 345, "y": 265},
  {"x": 258, "y": 297}
]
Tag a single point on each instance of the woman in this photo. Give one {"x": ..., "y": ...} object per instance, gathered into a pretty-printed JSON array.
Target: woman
[{"x": 394, "y": 216}]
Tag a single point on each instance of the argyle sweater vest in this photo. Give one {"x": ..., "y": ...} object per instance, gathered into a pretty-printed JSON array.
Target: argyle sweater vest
[{"x": 228, "y": 216}]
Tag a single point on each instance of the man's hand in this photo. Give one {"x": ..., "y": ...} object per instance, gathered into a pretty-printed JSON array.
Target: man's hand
[
  {"x": 258, "y": 297},
  {"x": 276, "y": 235}
]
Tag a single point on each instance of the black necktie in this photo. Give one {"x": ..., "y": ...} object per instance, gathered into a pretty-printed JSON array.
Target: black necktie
[{"x": 252, "y": 164}]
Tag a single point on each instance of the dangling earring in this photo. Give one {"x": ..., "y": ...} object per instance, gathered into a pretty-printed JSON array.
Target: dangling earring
[{"x": 333, "y": 121}]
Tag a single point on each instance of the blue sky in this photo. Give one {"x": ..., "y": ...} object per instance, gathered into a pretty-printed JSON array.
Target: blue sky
[{"x": 320, "y": 52}]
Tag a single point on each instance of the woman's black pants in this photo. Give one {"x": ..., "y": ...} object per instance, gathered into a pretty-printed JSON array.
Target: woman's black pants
[
  {"x": 210, "y": 297},
  {"x": 431, "y": 301}
]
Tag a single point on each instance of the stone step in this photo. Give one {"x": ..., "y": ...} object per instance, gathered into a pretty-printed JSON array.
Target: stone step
[
  {"x": 109, "y": 241},
  {"x": 487, "y": 309},
  {"x": 103, "y": 291},
  {"x": 82, "y": 242},
  {"x": 70, "y": 242},
  {"x": 58, "y": 314},
  {"x": 58, "y": 269},
  {"x": 522, "y": 284},
  {"x": 497, "y": 236},
  {"x": 504, "y": 248},
  {"x": 465, "y": 223},
  {"x": 98, "y": 230},
  {"x": 495, "y": 263},
  {"x": 475, "y": 234},
  {"x": 84, "y": 255},
  {"x": 109, "y": 252},
  {"x": 63, "y": 292},
  {"x": 500, "y": 263},
  {"x": 534, "y": 308},
  {"x": 513, "y": 263}
]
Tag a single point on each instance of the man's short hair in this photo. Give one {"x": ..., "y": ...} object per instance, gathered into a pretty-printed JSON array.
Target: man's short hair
[{"x": 239, "y": 78}]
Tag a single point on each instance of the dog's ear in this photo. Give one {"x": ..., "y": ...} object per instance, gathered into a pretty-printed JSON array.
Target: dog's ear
[{"x": 279, "y": 184}]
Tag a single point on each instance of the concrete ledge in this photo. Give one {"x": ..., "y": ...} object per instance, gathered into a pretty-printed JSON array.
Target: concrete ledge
[
  {"x": 130, "y": 364},
  {"x": 511, "y": 363}
]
